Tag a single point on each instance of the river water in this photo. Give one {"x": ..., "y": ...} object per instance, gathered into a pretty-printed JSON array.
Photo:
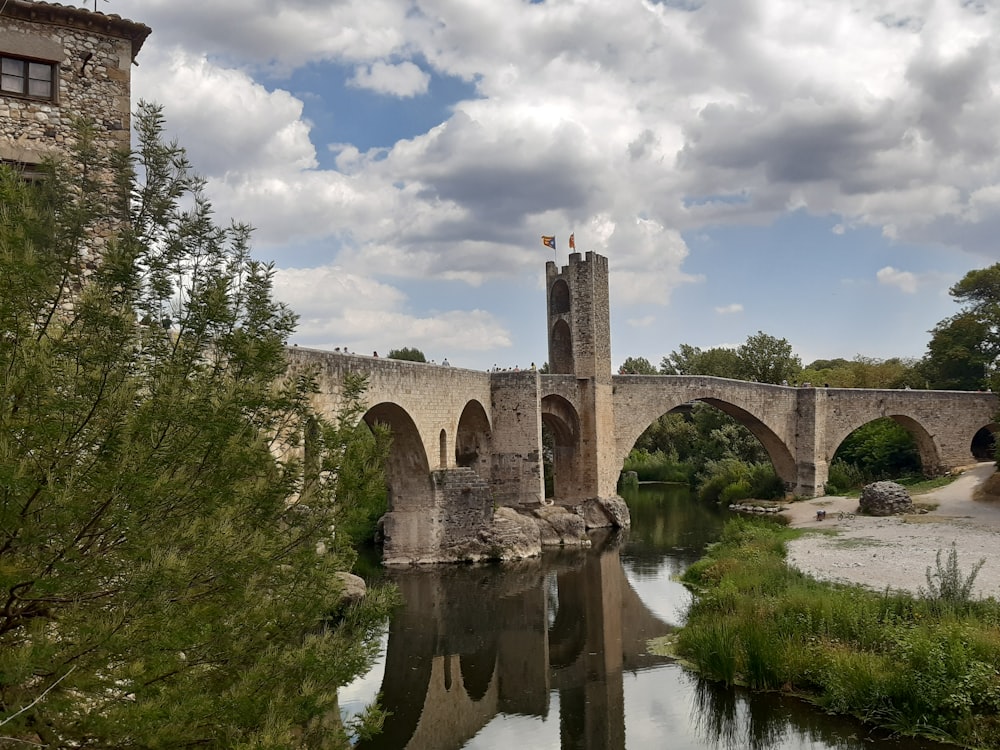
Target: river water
[{"x": 551, "y": 654}]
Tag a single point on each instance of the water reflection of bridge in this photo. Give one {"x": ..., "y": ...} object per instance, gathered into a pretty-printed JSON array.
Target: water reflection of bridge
[{"x": 479, "y": 641}]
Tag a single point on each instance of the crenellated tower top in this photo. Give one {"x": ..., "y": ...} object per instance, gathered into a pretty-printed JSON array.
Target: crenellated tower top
[{"x": 579, "y": 318}]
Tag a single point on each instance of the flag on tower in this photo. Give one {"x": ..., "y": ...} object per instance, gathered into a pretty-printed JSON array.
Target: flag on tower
[
  {"x": 549, "y": 240},
  {"x": 572, "y": 242}
]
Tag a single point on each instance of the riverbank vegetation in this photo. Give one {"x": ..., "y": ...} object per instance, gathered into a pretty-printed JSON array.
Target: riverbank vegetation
[
  {"x": 175, "y": 518},
  {"x": 927, "y": 665}
]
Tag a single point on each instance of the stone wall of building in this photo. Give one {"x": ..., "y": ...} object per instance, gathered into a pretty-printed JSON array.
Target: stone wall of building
[
  {"x": 87, "y": 57},
  {"x": 92, "y": 54}
]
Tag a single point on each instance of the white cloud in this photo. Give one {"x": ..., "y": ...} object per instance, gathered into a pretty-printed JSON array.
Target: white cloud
[
  {"x": 337, "y": 307},
  {"x": 731, "y": 309},
  {"x": 905, "y": 281},
  {"x": 644, "y": 322},
  {"x": 402, "y": 79},
  {"x": 877, "y": 114},
  {"x": 225, "y": 120}
]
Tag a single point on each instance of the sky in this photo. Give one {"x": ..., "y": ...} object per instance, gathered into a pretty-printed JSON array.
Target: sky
[{"x": 819, "y": 170}]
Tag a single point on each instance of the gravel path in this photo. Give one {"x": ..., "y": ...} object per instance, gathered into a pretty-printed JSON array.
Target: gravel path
[{"x": 896, "y": 552}]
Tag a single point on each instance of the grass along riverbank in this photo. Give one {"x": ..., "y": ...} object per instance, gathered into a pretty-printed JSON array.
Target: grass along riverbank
[{"x": 927, "y": 665}]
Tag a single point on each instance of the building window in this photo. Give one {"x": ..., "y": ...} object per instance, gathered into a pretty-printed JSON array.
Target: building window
[{"x": 27, "y": 78}]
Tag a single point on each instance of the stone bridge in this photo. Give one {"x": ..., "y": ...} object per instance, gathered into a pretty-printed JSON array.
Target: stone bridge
[{"x": 466, "y": 442}]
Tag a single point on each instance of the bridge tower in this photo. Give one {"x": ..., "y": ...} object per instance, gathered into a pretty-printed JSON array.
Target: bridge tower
[{"x": 579, "y": 337}]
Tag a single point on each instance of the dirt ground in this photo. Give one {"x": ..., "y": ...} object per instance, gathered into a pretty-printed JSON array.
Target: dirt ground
[{"x": 896, "y": 552}]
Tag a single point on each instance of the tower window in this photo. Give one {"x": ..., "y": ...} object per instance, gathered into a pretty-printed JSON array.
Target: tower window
[{"x": 27, "y": 78}]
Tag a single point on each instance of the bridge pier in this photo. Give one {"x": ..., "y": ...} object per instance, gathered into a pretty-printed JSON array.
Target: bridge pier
[
  {"x": 811, "y": 466},
  {"x": 458, "y": 507},
  {"x": 516, "y": 474}
]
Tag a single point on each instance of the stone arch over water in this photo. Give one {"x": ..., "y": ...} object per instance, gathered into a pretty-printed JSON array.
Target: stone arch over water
[
  {"x": 560, "y": 418},
  {"x": 407, "y": 469},
  {"x": 782, "y": 458}
]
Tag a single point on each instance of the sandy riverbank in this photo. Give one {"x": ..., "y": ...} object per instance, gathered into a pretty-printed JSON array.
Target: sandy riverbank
[{"x": 896, "y": 552}]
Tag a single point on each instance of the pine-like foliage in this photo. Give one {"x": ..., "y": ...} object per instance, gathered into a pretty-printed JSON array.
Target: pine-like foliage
[{"x": 160, "y": 584}]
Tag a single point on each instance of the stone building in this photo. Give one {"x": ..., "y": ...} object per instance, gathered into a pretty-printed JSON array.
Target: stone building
[{"x": 57, "y": 64}]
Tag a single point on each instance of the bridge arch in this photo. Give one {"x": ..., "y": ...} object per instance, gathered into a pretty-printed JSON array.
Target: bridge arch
[
  {"x": 930, "y": 457},
  {"x": 984, "y": 442},
  {"x": 561, "y": 419},
  {"x": 407, "y": 469},
  {"x": 473, "y": 439},
  {"x": 640, "y": 401},
  {"x": 782, "y": 458}
]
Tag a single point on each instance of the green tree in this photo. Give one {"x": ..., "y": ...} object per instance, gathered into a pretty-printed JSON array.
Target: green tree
[
  {"x": 407, "y": 353},
  {"x": 767, "y": 359},
  {"x": 638, "y": 366},
  {"x": 720, "y": 362},
  {"x": 161, "y": 574},
  {"x": 970, "y": 340},
  {"x": 865, "y": 372},
  {"x": 762, "y": 358},
  {"x": 681, "y": 361},
  {"x": 827, "y": 364},
  {"x": 959, "y": 355}
]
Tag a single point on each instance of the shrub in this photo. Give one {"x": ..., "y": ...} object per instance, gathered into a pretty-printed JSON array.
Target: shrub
[
  {"x": 844, "y": 477},
  {"x": 658, "y": 467},
  {"x": 947, "y": 585},
  {"x": 739, "y": 490}
]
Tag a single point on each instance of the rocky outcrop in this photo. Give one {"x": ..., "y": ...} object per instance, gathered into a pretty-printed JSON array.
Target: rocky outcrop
[
  {"x": 885, "y": 499},
  {"x": 510, "y": 536},
  {"x": 353, "y": 587},
  {"x": 599, "y": 513},
  {"x": 559, "y": 526}
]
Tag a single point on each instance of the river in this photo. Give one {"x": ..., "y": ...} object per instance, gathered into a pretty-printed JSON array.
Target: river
[{"x": 552, "y": 653}]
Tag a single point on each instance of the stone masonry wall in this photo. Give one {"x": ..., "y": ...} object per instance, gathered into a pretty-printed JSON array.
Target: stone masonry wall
[
  {"x": 433, "y": 396},
  {"x": 94, "y": 55},
  {"x": 517, "y": 438}
]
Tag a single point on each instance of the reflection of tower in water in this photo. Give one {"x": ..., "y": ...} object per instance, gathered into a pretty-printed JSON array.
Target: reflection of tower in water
[{"x": 476, "y": 642}]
